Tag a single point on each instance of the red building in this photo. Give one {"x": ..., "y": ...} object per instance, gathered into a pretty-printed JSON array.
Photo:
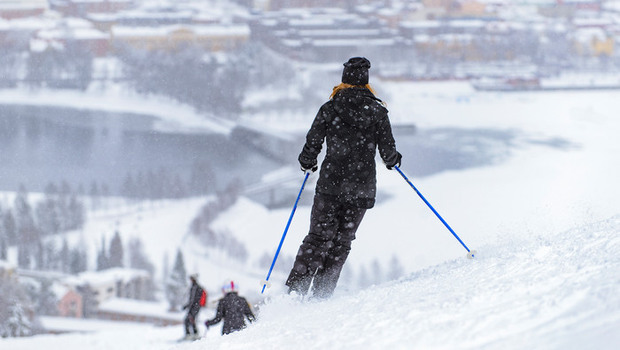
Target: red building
[
  {"x": 69, "y": 302},
  {"x": 11, "y": 9}
]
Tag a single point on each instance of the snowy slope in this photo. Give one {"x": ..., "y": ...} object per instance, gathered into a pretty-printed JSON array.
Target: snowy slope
[{"x": 556, "y": 291}]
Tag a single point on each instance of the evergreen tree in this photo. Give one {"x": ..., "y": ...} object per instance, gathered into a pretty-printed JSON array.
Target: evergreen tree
[
  {"x": 3, "y": 248},
  {"x": 141, "y": 186},
  {"x": 51, "y": 256},
  {"x": 46, "y": 301},
  {"x": 176, "y": 283},
  {"x": 4, "y": 244},
  {"x": 78, "y": 64},
  {"x": 137, "y": 257},
  {"x": 18, "y": 324},
  {"x": 77, "y": 261},
  {"x": 62, "y": 204},
  {"x": 346, "y": 277},
  {"x": 10, "y": 227},
  {"x": 64, "y": 257},
  {"x": 377, "y": 272},
  {"x": 23, "y": 256},
  {"x": 139, "y": 260},
  {"x": 89, "y": 301},
  {"x": 95, "y": 196},
  {"x": 47, "y": 211},
  {"x": 165, "y": 273},
  {"x": 396, "y": 270},
  {"x": 47, "y": 217},
  {"x": 27, "y": 232},
  {"x": 76, "y": 212},
  {"x": 103, "y": 262},
  {"x": 129, "y": 187},
  {"x": 363, "y": 279},
  {"x": 116, "y": 251},
  {"x": 14, "y": 307},
  {"x": 39, "y": 257},
  {"x": 26, "y": 229},
  {"x": 154, "y": 184},
  {"x": 41, "y": 66}
]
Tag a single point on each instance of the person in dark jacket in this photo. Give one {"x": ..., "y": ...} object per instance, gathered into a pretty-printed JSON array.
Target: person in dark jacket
[
  {"x": 193, "y": 307},
  {"x": 233, "y": 309},
  {"x": 354, "y": 123}
]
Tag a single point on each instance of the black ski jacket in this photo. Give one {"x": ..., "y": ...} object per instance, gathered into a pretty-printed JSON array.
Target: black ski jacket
[
  {"x": 233, "y": 309},
  {"x": 354, "y": 124},
  {"x": 195, "y": 292}
]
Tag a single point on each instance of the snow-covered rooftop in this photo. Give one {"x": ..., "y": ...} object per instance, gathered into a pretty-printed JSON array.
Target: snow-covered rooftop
[
  {"x": 73, "y": 33},
  {"x": 585, "y": 35},
  {"x": 60, "y": 290},
  {"x": 421, "y": 24},
  {"x": 5, "y": 265},
  {"x": 467, "y": 24},
  {"x": 361, "y": 32},
  {"x": 23, "y": 4},
  {"x": 210, "y": 30}
]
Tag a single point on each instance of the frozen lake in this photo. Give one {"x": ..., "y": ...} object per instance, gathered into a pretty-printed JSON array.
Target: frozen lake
[{"x": 42, "y": 144}]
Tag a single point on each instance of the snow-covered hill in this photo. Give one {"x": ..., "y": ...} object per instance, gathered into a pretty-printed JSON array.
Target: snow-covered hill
[
  {"x": 553, "y": 292},
  {"x": 556, "y": 291}
]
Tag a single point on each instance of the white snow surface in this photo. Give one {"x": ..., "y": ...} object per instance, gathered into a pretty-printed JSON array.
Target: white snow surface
[
  {"x": 546, "y": 292},
  {"x": 544, "y": 219}
]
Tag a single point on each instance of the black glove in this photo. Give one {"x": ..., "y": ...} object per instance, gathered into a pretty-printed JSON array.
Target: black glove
[
  {"x": 394, "y": 162},
  {"x": 185, "y": 306},
  {"x": 308, "y": 166},
  {"x": 310, "y": 170}
]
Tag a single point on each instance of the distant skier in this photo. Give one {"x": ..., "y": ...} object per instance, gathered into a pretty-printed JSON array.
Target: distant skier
[
  {"x": 354, "y": 123},
  {"x": 233, "y": 309},
  {"x": 197, "y": 299}
]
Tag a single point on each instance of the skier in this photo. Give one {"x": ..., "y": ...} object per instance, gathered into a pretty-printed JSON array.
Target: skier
[
  {"x": 197, "y": 299},
  {"x": 354, "y": 123},
  {"x": 233, "y": 309}
]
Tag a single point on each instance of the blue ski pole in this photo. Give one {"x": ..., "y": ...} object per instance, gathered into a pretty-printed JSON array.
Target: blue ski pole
[
  {"x": 470, "y": 253},
  {"x": 265, "y": 283}
]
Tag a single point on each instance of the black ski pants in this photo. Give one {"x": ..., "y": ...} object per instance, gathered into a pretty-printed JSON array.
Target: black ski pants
[
  {"x": 190, "y": 320},
  {"x": 324, "y": 250}
]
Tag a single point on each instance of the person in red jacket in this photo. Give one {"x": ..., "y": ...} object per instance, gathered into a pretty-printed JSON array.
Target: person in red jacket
[
  {"x": 233, "y": 309},
  {"x": 354, "y": 123}
]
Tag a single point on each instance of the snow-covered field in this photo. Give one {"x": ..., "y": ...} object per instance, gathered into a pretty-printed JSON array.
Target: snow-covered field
[{"x": 544, "y": 216}]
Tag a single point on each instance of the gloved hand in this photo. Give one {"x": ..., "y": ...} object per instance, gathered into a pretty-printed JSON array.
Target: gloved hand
[
  {"x": 207, "y": 324},
  {"x": 308, "y": 165},
  {"x": 185, "y": 306},
  {"x": 310, "y": 170},
  {"x": 394, "y": 162}
]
